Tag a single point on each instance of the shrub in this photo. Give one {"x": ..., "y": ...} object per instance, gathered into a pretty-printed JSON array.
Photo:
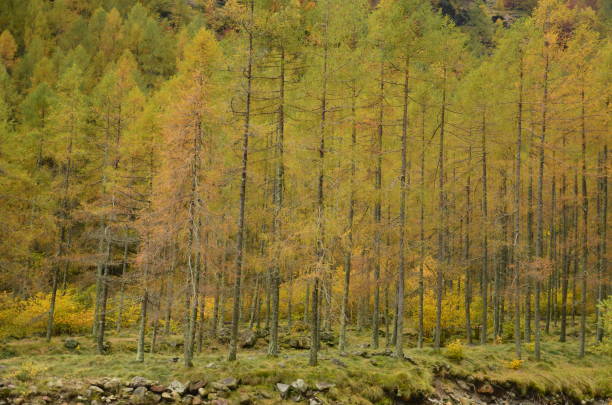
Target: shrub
[
  {"x": 454, "y": 350},
  {"x": 25, "y": 317},
  {"x": 515, "y": 364},
  {"x": 28, "y": 371}
]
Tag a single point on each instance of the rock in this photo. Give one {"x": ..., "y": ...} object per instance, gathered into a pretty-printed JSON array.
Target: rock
[
  {"x": 217, "y": 386},
  {"x": 203, "y": 392},
  {"x": 299, "y": 386},
  {"x": 324, "y": 386},
  {"x": 177, "y": 387},
  {"x": 157, "y": 388},
  {"x": 230, "y": 382},
  {"x": 127, "y": 390},
  {"x": 194, "y": 386},
  {"x": 94, "y": 389},
  {"x": 139, "y": 382},
  {"x": 142, "y": 396},
  {"x": 249, "y": 340},
  {"x": 220, "y": 401},
  {"x": 167, "y": 396},
  {"x": 299, "y": 342},
  {"x": 463, "y": 385},
  {"x": 71, "y": 344},
  {"x": 386, "y": 352},
  {"x": 283, "y": 389},
  {"x": 211, "y": 365},
  {"x": 112, "y": 385},
  {"x": 328, "y": 337},
  {"x": 197, "y": 401},
  {"x": 338, "y": 363},
  {"x": 314, "y": 401},
  {"x": 486, "y": 389},
  {"x": 245, "y": 399},
  {"x": 187, "y": 400},
  {"x": 56, "y": 384},
  {"x": 152, "y": 398},
  {"x": 139, "y": 392}
]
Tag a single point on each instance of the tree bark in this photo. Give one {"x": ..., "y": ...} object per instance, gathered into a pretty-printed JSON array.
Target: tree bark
[
  {"x": 399, "y": 342},
  {"x": 243, "y": 181}
]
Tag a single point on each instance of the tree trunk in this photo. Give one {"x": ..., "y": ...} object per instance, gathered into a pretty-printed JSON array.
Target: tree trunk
[
  {"x": 602, "y": 250},
  {"x": 342, "y": 344},
  {"x": 485, "y": 236},
  {"x": 278, "y": 204},
  {"x": 399, "y": 342},
  {"x": 585, "y": 211},
  {"x": 122, "y": 284},
  {"x": 540, "y": 210},
  {"x": 422, "y": 232},
  {"x": 243, "y": 181},
  {"x": 315, "y": 321},
  {"x": 517, "y": 217},
  {"x": 377, "y": 206}
]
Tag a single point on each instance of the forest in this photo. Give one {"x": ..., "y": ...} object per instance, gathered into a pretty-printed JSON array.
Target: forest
[{"x": 318, "y": 201}]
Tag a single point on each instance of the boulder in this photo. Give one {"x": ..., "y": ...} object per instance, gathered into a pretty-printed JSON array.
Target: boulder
[
  {"x": 94, "y": 389},
  {"x": 249, "y": 339},
  {"x": 283, "y": 389},
  {"x": 299, "y": 342},
  {"x": 139, "y": 382},
  {"x": 113, "y": 385},
  {"x": 178, "y": 387},
  {"x": 158, "y": 388},
  {"x": 217, "y": 386},
  {"x": 71, "y": 344},
  {"x": 245, "y": 399},
  {"x": 194, "y": 386},
  {"x": 140, "y": 395},
  {"x": 230, "y": 382},
  {"x": 299, "y": 386},
  {"x": 324, "y": 386},
  {"x": 328, "y": 338}
]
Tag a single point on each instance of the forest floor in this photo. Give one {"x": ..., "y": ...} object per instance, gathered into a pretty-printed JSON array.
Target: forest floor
[{"x": 34, "y": 371}]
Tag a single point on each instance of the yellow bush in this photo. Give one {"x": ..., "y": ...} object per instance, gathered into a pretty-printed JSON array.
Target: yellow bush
[
  {"x": 454, "y": 350},
  {"x": 25, "y": 317},
  {"x": 530, "y": 347},
  {"x": 28, "y": 371},
  {"x": 515, "y": 364}
]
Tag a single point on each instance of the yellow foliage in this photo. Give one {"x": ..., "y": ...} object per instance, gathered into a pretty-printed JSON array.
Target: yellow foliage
[
  {"x": 24, "y": 317},
  {"x": 28, "y": 371},
  {"x": 515, "y": 364},
  {"x": 454, "y": 350}
]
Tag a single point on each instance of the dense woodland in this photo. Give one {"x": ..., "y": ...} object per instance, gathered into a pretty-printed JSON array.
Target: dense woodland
[{"x": 424, "y": 171}]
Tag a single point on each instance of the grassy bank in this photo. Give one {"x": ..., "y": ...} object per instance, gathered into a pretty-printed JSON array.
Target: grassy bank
[{"x": 362, "y": 375}]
